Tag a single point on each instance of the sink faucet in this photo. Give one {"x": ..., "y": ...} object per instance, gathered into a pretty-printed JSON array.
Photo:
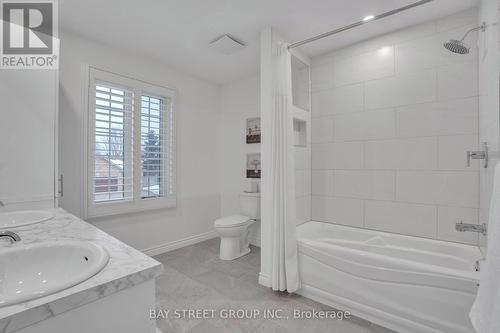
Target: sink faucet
[
  {"x": 12, "y": 236},
  {"x": 481, "y": 228}
]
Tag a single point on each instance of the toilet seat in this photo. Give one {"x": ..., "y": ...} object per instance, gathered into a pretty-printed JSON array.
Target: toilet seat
[{"x": 232, "y": 221}]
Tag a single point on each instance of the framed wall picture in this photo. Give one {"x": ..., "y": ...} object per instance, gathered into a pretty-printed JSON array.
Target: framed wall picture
[
  {"x": 253, "y": 165},
  {"x": 253, "y": 130}
]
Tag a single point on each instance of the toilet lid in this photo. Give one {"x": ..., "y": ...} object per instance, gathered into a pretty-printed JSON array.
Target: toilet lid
[{"x": 231, "y": 221}]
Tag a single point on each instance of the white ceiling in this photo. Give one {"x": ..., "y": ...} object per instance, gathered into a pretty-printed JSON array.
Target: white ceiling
[{"x": 177, "y": 32}]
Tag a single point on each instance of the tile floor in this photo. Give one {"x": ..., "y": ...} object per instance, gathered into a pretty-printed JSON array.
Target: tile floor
[{"x": 195, "y": 278}]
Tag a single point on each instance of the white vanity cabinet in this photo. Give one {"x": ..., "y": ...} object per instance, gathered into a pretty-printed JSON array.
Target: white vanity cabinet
[{"x": 28, "y": 143}]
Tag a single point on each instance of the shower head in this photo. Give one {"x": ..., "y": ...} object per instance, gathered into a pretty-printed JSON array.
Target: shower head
[{"x": 458, "y": 46}]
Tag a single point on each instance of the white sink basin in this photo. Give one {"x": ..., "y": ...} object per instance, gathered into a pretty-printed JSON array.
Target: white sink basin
[
  {"x": 40, "y": 269},
  {"x": 24, "y": 217}
]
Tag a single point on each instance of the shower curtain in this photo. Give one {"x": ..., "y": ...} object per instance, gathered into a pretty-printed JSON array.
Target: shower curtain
[
  {"x": 284, "y": 271},
  {"x": 486, "y": 308}
]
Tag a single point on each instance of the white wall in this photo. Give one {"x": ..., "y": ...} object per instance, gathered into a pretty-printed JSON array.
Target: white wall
[
  {"x": 488, "y": 99},
  {"x": 198, "y": 155},
  {"x": 392, "y": 119},
  {"x": 239, "y": 101}
]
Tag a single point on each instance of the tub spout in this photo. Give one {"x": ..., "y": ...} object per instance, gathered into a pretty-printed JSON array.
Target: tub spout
[{"x": 480, "y": 228}]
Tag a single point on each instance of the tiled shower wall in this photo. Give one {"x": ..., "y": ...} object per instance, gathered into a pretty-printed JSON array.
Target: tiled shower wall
[
  {"x": 302, "y": 136},
  {"x": 303, "y": 176},
  {"x": 393, "y": 118}
]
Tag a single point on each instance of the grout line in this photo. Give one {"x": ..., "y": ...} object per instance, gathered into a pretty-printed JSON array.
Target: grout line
[
  {"x": 464, "y": 171},
  {"x": 395, "y": 201},
  {"x": 436, "y": 101},
  {"x": 394, "y": 138}
]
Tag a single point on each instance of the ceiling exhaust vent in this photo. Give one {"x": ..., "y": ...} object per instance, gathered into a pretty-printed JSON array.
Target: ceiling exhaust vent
[{"x": 226, "y": 44}]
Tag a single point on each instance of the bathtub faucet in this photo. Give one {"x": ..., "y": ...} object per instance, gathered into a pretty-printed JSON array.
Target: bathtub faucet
[{"x": 481, "y": 228}]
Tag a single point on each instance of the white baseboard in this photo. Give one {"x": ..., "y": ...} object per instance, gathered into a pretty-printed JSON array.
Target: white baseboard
[
  {"x": 177, "y": 244},
  {"x": 264, "y": 280}
]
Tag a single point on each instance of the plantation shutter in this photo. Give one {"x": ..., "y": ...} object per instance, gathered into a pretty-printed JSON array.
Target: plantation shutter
[
  {"x": 113, "y": 144},
  {"x": 131, "y": 146},
  {"x": 156, "y": 147}
]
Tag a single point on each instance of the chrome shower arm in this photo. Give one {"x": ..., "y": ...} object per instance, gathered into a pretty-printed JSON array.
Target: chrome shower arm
[{"x": 482, "y": 27}]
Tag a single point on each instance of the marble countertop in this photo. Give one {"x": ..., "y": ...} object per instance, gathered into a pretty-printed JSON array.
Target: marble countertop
[{"x": 126, "y": 268}]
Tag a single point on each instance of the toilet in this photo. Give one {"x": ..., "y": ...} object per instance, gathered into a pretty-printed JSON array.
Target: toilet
[{"x": 234, "y": 229}]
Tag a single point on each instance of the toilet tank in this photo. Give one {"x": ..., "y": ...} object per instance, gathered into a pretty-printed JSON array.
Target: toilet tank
[{"x": 250, "y": 205}]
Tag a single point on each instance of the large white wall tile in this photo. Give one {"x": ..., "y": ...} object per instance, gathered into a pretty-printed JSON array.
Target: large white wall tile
[
  {"x": 409, "y": 219},
  {"x": 322, "y": 129},
  {"x": 403, "y": 35},
  {"x": 365, "y": 184},
  {"x": 466, "y": 17},
  {"x": 457, "y": 81},
  {"x": 449, "y": 216},
  {"x": 453, "y": 188},
  {"x": 403, "y": 89},
  {"x": 402, "y": 154},
  {"x": 452, "y": 152},
  {"x": 338, "y": 210},
  {"x": 303, "y": 209},
  {"x": 338, "y": 100},
  {"x": 368, "y": 66},
  {"x": 302, "y": 182},
  {"x": 365, "y": 126},
  {"x": 322, "y": 183},
  {"x": 302, "y": 158},
  {"x": 418, "y": 54},
  {"x": 486, "y": 183},
  {"x": 343, "y": 155},
  {"x": 441, "y": 118},
  {"x": 322, "y": 76}
]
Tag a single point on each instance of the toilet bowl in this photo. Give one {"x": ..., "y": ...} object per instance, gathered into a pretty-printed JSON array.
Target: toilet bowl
[{"x": 234, "y": 229}]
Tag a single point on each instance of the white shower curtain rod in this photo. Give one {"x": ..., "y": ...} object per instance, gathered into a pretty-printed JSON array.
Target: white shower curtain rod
[{"x": 357, "y": 24}]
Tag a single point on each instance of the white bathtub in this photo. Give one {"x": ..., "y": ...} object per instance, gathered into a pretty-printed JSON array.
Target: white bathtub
[{"x": 405, "y": 283}]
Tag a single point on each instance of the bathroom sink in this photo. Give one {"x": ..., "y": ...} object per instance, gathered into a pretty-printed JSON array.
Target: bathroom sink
[
  {"x": 40, "y": 269},
  {"x": 24, "y": 217}
]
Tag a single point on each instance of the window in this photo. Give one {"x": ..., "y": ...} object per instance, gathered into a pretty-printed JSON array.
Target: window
[{"x": 131, "y": 146}]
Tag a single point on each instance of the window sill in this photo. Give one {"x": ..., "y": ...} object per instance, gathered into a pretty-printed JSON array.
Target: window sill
[{"x": 120, "y": 208}]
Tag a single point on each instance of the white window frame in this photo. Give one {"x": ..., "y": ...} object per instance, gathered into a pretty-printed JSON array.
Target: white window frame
[{"x": 137, "y": 204}]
